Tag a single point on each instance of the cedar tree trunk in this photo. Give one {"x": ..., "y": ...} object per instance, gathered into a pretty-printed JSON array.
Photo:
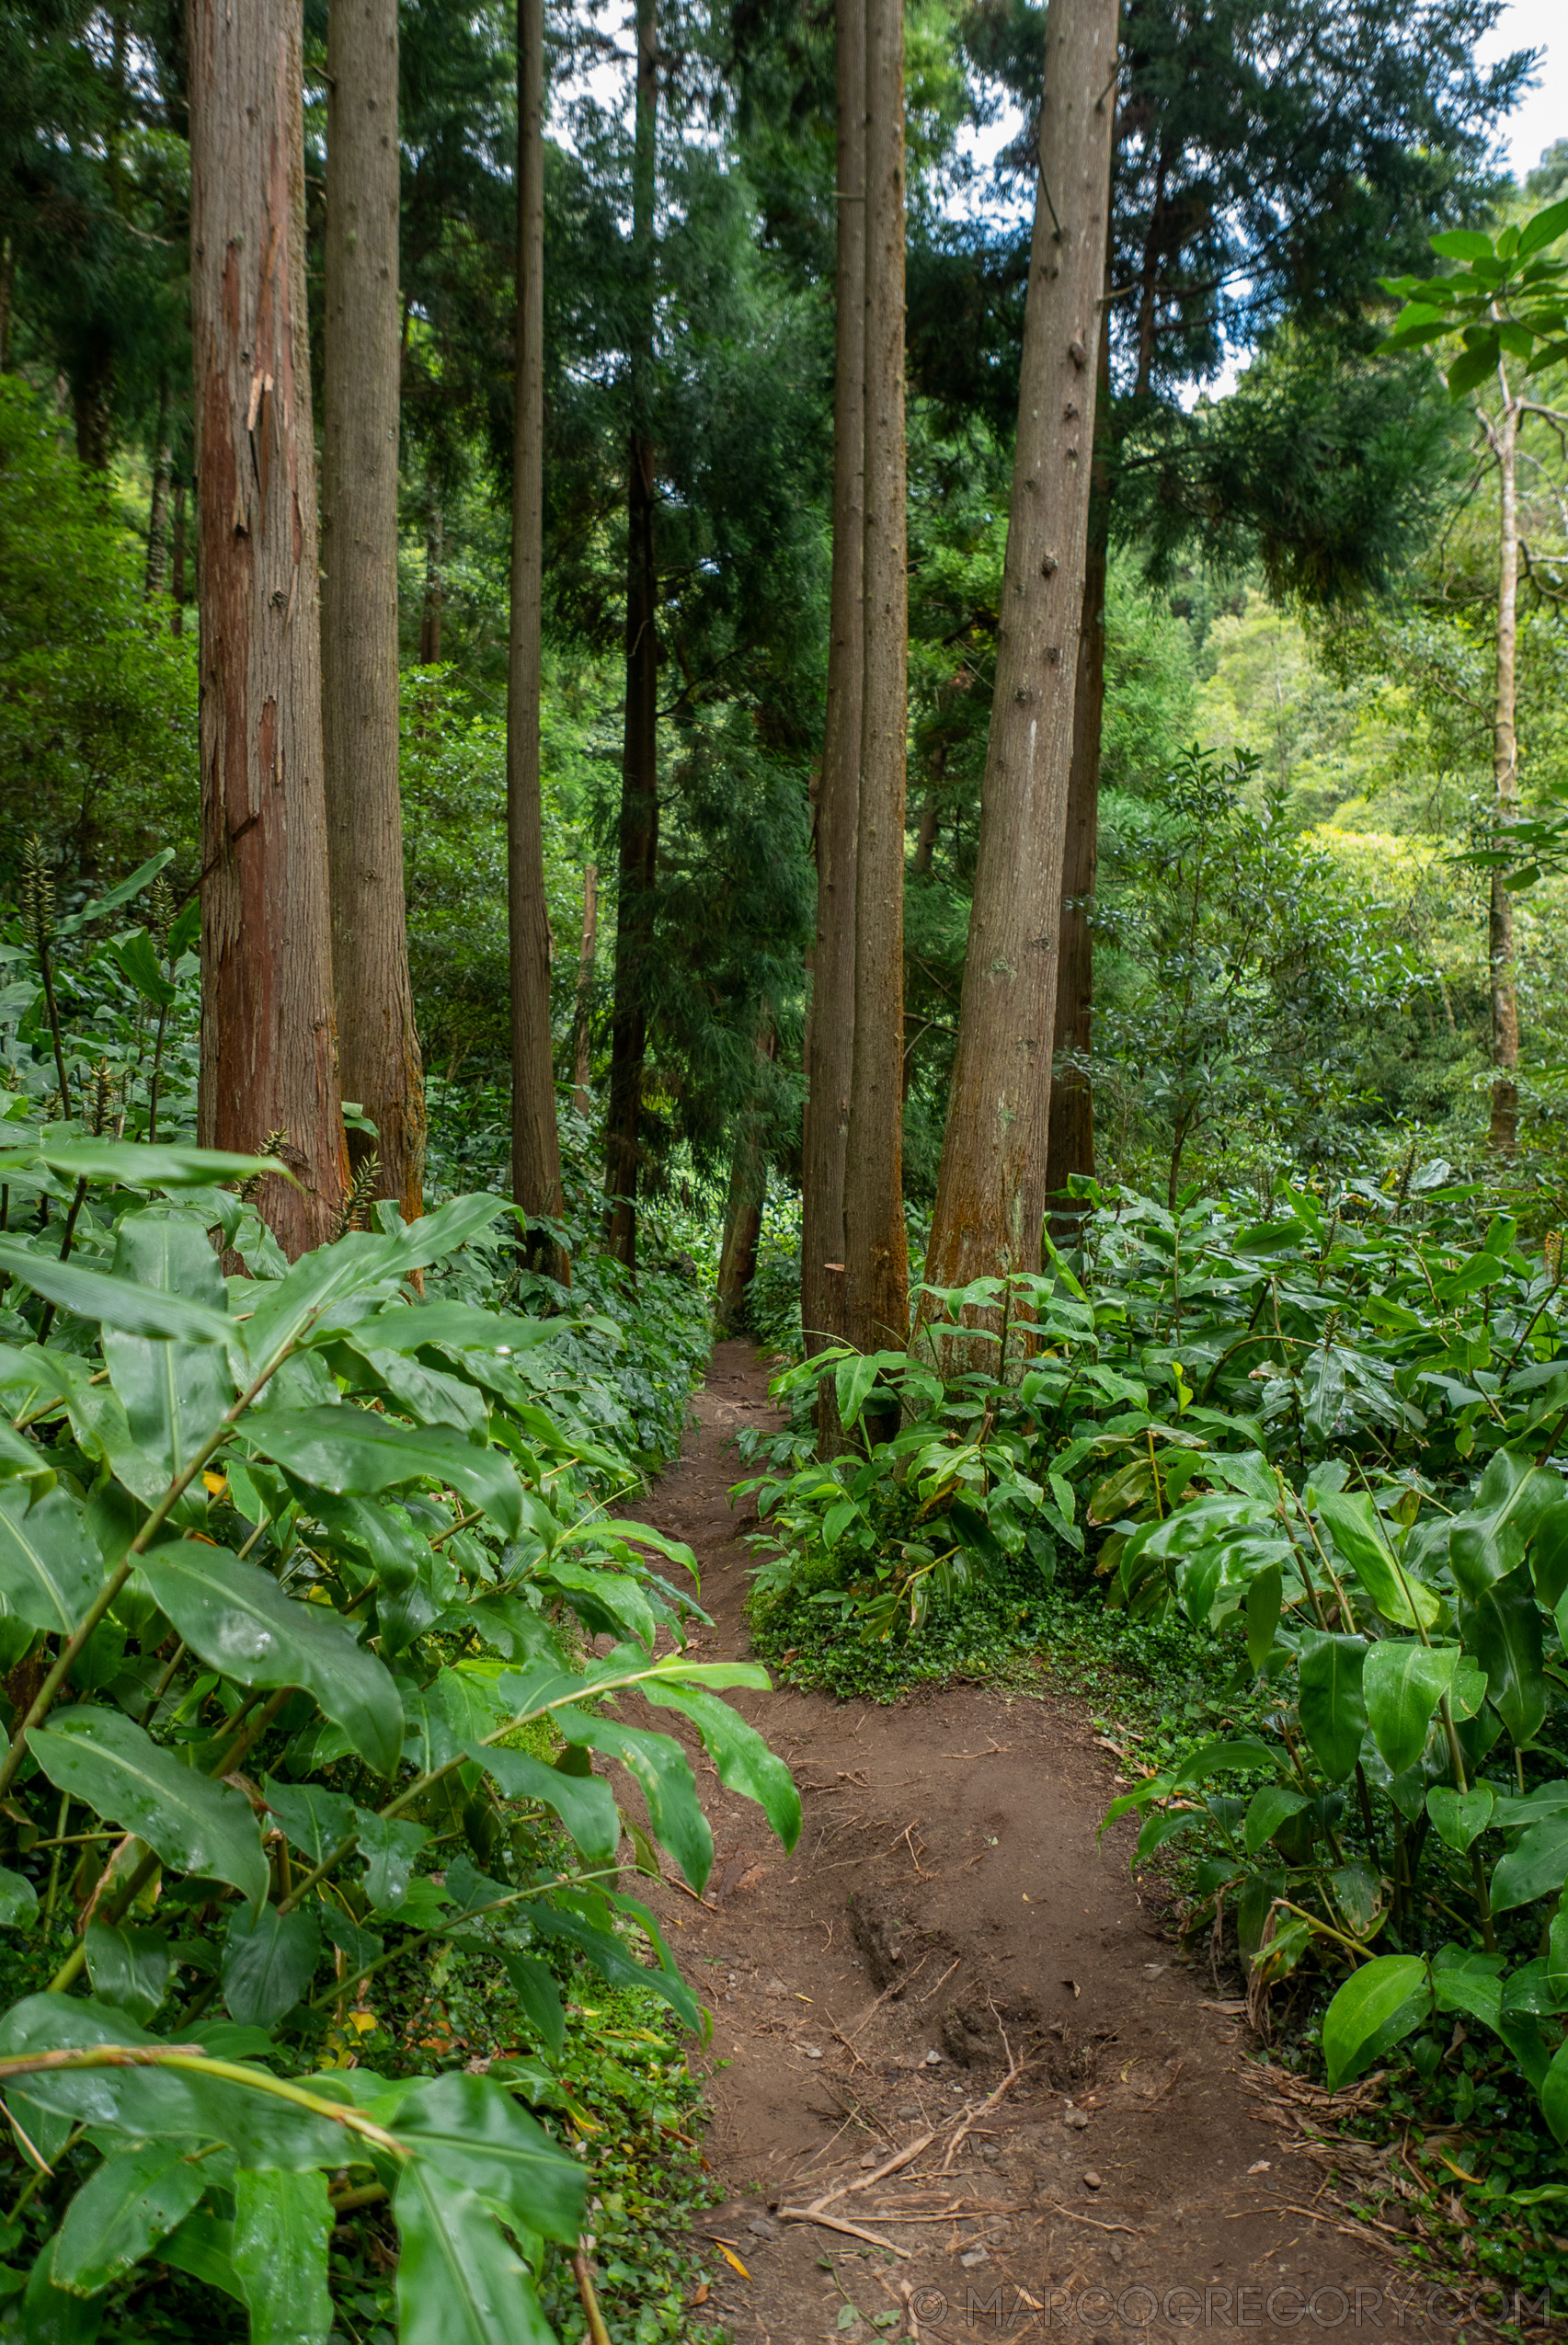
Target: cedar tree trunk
[
  {"x": 378, "y": 1044},
  {"x": 535, "y": 1141},
  {"x": 743, "y": 1218},
  {"x": 991, "y": 1186},
  {"x": 1505, "y": 1130},
  {"x": 830, "y": 1035},
  {"x": 268, "y": 1046},
  {"x": 583, "y": 1099},
  {"x": 639, "y": 858}
]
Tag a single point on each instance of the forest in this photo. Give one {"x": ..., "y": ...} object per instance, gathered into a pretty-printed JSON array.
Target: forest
[{"x": 873, "y": 698}]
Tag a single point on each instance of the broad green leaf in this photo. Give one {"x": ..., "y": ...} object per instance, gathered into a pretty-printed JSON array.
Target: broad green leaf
[
  {"x": 1459, "y": 1817},
  {"x": 584, "y": 1804},
  {"x": 1501, "y": 1630},
  {"x": 1554, "y": 2095},
  {"x": 361, "y": 1947},
  {"x": 459, "y": 1327},
  {"x": 1549, "y": 1556},
  {"x": 391, "y": 1847},
  {"x": 286, "y": 1310},
  {"x": 1224, "y": 1754},
  {"x": 113, "y": 1303},
  {"x": 1357, "y": 1533},
  {"x": 203, "y": 2245},
  {"x": 121, "y": 2212},
  {"x": 1537, "y": 1867},
  {"x": 23, "y": 1460},
  {"x": 282, "y": 2226},
  {"x": 745, "y": 1763},
  {"x": 1334, "y": 1707},
  {"x": 660, "y": 1769},
  {"x": 49, "y": 1573},
  {"x": 112, "y": 898},
  {"x": 611, "y": 1959},
  {"x": 1488, "y": 1542},
  {"x": 352, "y": 1452},
  {"x": 1271, "y": 1807},
  {"x": 18, "y": 1900},
  {"x": 1543, "y": 230},
  {"x": 1463, "y": 244},
  {"x": 1378, "y": 2006},
  {"x": 174, "y": 1394},
  {"x": 539, "y": 1999},
  {"x": 269, "y": 1960},
  {"x": 1167, "y": 1825},
  {"x": 1556, "y": 1950},
  {"x": 473, "y": 2131},
  {"x": 131, "y": 1164},
  {"x": 1262, "y": 1605},
  {"x": 455, "y": 1224},
  {"x": 458, "y": 2281},
  {"x": 313, "y": 1820},
  {"x": 102, "y": 1757},
  {"x": 53, "y": 2316},
  {"x": 130, "y": 1967},
  {"x": 239, "y": 1621},
  {"x": 1402, "y": 1682}
]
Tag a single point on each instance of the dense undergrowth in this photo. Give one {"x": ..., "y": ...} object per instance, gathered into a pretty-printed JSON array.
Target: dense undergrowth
[
  {"x": 329, "y": 2005},
  {"x": 1287, "y": 1500}
]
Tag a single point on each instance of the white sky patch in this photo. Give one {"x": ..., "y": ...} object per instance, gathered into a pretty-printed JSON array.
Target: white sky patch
[{"x": 1541, "y": 118}]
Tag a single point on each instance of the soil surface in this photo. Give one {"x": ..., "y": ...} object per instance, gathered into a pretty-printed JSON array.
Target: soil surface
[{"x": 951, "y": 1941}]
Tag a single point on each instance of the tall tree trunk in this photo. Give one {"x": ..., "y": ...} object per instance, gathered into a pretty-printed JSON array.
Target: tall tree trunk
[
  {"x": 536, "y": 1139},
  {"x": 158, "y": 504},
  {"x": 877, "y": 1276},
  {"x": 378, "y": 1043},
  {"x": 177, "y": 578},
  {"x": 638, "y": 859},
  {"x": 583, "y": 1099},
  {"x": 830, "y": 1035},
  {"x": 269, "y": 1045},
  {"x": 747, "y": 1196},
  {"x": 1070, "y": 1146},
  {"x": 991, "y": 1186},
  {"x": 430, "y": 608},
  {"x": 1505, "y": 1130}
]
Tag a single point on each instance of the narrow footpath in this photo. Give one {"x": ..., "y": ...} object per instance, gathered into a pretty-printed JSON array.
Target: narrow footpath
[{"x": 951, "y": 1959}]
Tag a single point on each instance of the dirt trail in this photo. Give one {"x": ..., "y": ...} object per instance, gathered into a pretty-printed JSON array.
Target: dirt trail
[{"x": 949, "y": 1905}]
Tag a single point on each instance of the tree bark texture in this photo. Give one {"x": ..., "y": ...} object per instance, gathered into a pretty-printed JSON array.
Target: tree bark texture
[
  {"x": 876, "y": 1274},
  {"x": 158, "y": 504},
  {"x": 378, "y": 1043},
  {"x": 535, "y": 1139},
  {"x": 1505, "y": 1132},
  {"x": 638, "y": 856},
  {"x": 991, "y": 1186},
  {"x": 1070, "y": 1146},
  {"x": 268, "y": 1047},
  {"x": 743, "y": 1218},
  {"x": 582, "y": 1024},
  {"x": 831, "y": 1034}
]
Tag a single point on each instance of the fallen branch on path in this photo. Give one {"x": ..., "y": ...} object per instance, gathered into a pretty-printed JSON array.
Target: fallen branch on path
[
  {"x": 1094, "y": 2223},
  {"x": 1015, "y": 2069},
  {"x": 837, "y": 2223}
]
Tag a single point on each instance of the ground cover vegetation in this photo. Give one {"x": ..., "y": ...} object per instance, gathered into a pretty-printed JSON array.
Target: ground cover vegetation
[{"x": 582, "y": 687}]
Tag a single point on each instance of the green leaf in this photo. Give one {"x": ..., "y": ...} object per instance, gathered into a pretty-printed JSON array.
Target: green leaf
[
  {"x": 477, "y": 2135},
  {"x": 354, "y": 1451},
  {"x": 287, "y": 1308},
  {"x": 459, "y": 1327},
  {"x": 102, "y": 1757},
  {"x": 1271, "y": 1807},
  {"x": 1463, "y": 244},
  {"x": 391, "y": 1846},
  {"x": 1334, "y": 1707},
  {"x": 1536, "y": 1867},
  {"x": 1378, "y": 2006},
  {"x": 1223, "y": 1754},
  {"x": 1403, "y": 1683},
  {"x": 50, "y": 1575},
  {"x": 1554, "y": 2095},
  {"x": 135, "y": 2198},
  {"x": 584, "y": 1804},
  {"x": 283, "y": 2226},
  {"x": 1543, "y": 230},
  {"x": 539, "y": 1999},
  {"x": 239, "y": 1621},
  {"x": 436, "y": 1235},
  {"x": 1459, "y": 1817},
  {"x": 174, "y": 1394},
  {"x": 23, "y": 1460},
  {"x": 128, "y": 1966},
  {"x": 313, "y": 1820},
  {"x": 611, "y": 1958},
  {"x": 1549, "y": 1555},
  {"x": 1557, "y": 1951},
  {"x": 852, "y": 1382},
  {"x": 138, "y": 960},
  {"x": 458, "y": 2282},
  {"x": 121, "y": 893},
  {"x": 1357, "y": 1533},
  {"x": 201, "y": 2245},
  {"x": 1473, "y": 366},
  {"x": 659, "y": 1767},
  {"x": 1502, "y": 1629},
  {"x": 745, "y": 1763},
  {"x": 1262, "y": 1605},
  {"x": 51, "y": 2316},
  {"x": 1488, "y": 1542},
  {"x": 113, "y": 1303},
  {"x": 18, "y": 1900},
  {"x": 268, "y": 1960},
  {"x": 131, "y": 1164}
]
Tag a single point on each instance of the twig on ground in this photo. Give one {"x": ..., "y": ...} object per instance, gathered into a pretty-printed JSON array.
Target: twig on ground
[
  {"x": 940, "y": 1984},
  {"x": 1015, "y": 2070},
  {"x": 837, "y": 2223},
  {"x": 1094, "y": 2225}
]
